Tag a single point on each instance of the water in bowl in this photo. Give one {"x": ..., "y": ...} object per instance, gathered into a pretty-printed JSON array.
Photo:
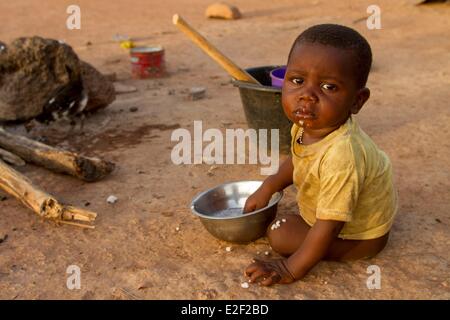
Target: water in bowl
[{"x": 228, "y": 213}]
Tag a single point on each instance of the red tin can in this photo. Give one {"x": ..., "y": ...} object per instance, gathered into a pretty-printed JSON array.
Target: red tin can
[{"x": 147, "y": 62}]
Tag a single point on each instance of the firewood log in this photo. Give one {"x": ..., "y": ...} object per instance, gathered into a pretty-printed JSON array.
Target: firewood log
[
  {"x": 43, "y": 204},
  {"x": 55, "y": 159}
]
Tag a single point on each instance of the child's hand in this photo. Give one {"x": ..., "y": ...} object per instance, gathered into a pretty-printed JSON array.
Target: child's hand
[
  {"x": 259, "y": 199},
  {"x": 269, "y": 272}
]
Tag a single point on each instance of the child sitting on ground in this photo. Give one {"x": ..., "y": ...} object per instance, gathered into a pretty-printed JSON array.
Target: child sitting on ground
[{"x": 345, "y": 191}]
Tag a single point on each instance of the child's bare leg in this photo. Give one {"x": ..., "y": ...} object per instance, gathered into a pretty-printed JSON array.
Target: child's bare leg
[
  {"x": 292, "y": 230},
  {"x": 289, "y": 236},
  {"x": 342, "y": 249}
]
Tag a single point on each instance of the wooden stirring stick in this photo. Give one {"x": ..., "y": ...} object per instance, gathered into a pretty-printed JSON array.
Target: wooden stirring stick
[{"x": 209, "y": 49}]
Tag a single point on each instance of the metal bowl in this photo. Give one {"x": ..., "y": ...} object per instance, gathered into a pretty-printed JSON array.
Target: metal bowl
[{"x": 220, "y": 211}]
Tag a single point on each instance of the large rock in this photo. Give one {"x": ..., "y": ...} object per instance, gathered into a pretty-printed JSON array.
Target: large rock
[
  {"x": 100, "y": 89},
  {"x": 222, "y": 10},
  {"x": 32, "y": 69}
]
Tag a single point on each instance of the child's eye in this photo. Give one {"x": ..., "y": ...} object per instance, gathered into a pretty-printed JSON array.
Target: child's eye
[
  {"x": 297, "y": 81},
  {"x": 328, "y": 86}
]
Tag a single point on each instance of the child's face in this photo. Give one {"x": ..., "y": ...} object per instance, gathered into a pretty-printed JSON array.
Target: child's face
[{"x": 320, "y": 87}]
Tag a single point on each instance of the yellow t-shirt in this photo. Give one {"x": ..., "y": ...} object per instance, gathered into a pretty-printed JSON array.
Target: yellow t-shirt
[{"x": 345, "y": 177}]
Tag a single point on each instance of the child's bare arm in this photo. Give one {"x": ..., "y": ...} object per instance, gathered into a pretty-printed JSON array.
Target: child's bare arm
[
  {"x": 312, "y": 250},
  {"x": 273, "y": 183},
  {"x": 314, "y": 247},
  {"x": 282, "y": 179}
]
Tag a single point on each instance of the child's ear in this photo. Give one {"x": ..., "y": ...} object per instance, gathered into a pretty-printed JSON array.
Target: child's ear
[{"x": 361, "y": 98}]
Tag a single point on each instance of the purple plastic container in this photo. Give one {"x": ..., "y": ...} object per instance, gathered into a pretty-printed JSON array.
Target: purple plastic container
[{"x": 277, "y": 76}]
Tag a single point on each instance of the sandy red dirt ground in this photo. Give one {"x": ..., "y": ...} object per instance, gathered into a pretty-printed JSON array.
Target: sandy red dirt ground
[{"x": 135, "y": 250}]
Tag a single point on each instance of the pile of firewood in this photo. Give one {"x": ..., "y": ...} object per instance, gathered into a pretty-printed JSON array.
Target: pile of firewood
[{"x": 17, "y": 150}]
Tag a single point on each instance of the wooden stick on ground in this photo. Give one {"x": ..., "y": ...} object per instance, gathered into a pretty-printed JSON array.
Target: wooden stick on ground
[
  {"x": 210, "y": 50},
  {"x": 39, "y": 201},
  {"x": 84, "y": 168}
]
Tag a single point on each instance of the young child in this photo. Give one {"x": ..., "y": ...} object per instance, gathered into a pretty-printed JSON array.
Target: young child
[{"x": 344, "y": 184}]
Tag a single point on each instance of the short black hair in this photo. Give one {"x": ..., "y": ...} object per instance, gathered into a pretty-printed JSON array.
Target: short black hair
[{"x": 341, "y": 37}]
